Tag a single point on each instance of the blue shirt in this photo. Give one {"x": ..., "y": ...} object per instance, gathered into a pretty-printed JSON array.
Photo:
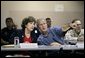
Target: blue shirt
[{"x": 54, "y": 35}]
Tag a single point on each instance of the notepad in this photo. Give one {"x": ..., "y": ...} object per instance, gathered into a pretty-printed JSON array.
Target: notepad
[
  {"x": 80, "y": 45},
  {"x": 8, "y": 46},
  {"x": 28, "y": 45}
]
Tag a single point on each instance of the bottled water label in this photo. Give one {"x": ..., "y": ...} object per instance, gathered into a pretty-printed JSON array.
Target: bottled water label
[{"x": 16, "y": 42}]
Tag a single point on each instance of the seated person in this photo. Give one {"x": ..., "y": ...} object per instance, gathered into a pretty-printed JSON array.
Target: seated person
[
  {"x": 27, "y": 27},
  {"x": 7, "y": 31},
  {"x": 77, "y": 33},
  {"x": 26, "y": 34},
  {"x": 49, "y": 36},
  {"x": 67, "y": 27},
  {"x": 48, "y": 20}
]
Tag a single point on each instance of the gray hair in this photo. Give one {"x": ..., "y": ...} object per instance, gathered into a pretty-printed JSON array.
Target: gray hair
[{"x": 40, "y": 20}]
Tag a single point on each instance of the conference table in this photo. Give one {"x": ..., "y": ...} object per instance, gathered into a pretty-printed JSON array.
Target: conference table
[{"x": 34, "y": 47}]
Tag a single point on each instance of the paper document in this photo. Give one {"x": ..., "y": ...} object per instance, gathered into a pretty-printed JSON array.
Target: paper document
[
  {"x": 80, "y": 44},
  {"x": 28, "y": 45}
]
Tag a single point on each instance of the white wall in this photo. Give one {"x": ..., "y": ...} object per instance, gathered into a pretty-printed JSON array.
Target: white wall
[{"x": 61, "y": 12}]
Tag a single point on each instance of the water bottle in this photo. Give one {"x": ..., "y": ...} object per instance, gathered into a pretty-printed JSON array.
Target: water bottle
[{"x": 16, "y": 42}]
